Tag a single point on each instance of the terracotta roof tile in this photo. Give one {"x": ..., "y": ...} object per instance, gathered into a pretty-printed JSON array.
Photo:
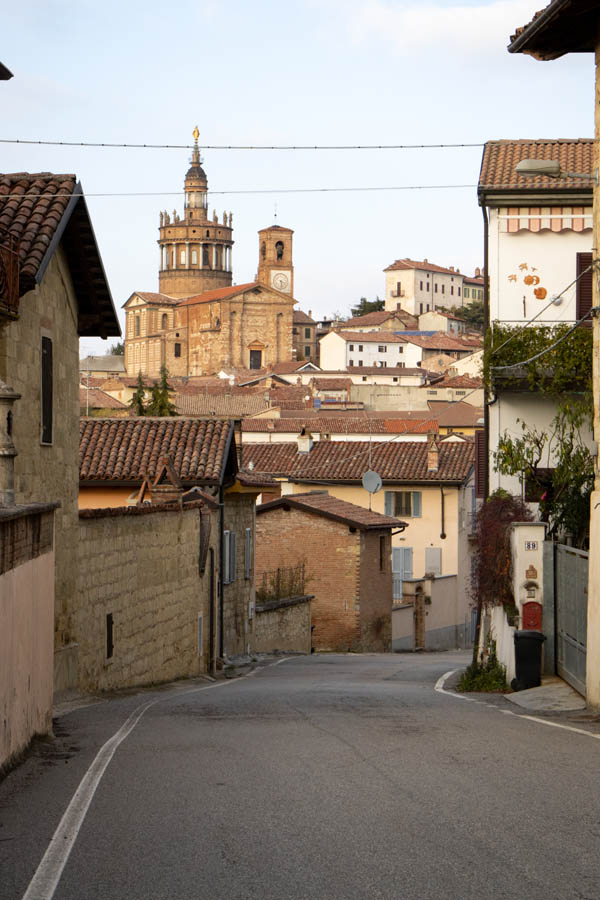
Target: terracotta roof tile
[
  {"x": 31, "y": 209},
  {"x": 458, "y": 381},
  {"x": 372, "y": 318},
  {"x": 125, "y": 450},
  {"x": 340, "y": 425},
  {"x": 301, "y": 318},
  {"x": 373, "y": 337},
  {"x": 155, "y": 299},
  {"x": 220, "y": 404},
  {"x": 219, "y": 294},
  {"x": 322, "y": 504},
  {"x": 96, "y": 399},
  {"x": 425, "y": 266},
  {"x": 500, "y": 158},
  {"x": 441, "y": 340},
  {"x": 331, "y": 384},
  {"x": 451, "y": 415},
  {"x": 347, "y": 461}
]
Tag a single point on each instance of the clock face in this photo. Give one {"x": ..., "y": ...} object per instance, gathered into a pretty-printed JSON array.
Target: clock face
[{"x": 281, "y": 281}]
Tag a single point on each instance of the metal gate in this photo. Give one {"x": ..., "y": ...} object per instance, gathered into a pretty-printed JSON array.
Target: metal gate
[{"x": 571, "y": 594}]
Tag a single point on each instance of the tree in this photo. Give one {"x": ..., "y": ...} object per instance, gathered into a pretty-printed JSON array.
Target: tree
[
  {"x": 160, "y": 402},
  {"x": 365, "y": 306},
  {"x": 138, "y": 401},
  {"x": 563, "y": 486},
  {"x": 117, "y": 349},
  {"x": 473, "y": 313}
]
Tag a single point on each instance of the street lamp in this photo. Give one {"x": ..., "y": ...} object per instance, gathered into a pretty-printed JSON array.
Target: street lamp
[{"x": 550, "y": 168}]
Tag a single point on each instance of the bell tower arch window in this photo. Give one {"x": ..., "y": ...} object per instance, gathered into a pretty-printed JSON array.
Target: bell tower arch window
[
  {"x": 279, "y": 249},
  {"x": 164, "y": 321}
]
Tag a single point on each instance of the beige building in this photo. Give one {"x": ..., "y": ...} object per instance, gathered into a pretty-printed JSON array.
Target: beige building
[
  {"x": 420, "y": 287},
  {"x": 304, "y": 338}
]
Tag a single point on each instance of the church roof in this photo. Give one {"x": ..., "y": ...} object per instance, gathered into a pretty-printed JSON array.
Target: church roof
[{"x": 218, "y": 294}]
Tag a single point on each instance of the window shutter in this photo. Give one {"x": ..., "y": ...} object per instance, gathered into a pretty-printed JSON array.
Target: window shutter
[
  {"x": 232, "y": 557},
  {"x": 248, "y": 554},
  {"x": 416, "y": 504},
  {"x": 47, "y": 390},
  {"x": 584, "y": 287},
  {"x": 397, "y": 560},
  {"x": 389, "y": 503},
  {"x": 226, "y": 566},
  {"x": 481, "y": 460},
  {"x": 408, "y": 565}
]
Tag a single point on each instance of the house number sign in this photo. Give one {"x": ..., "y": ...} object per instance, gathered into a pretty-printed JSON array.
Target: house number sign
[{"x": 531, "y": 545}]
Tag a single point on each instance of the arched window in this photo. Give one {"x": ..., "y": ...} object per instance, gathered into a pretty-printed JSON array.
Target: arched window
[
  {"x": 194, "y": 257},
  {"x": 263, "y": 250},
  {"x": 165, "y": 321},
  {"x": 279, "y": 249},
  {"x": 205, "y": 259}
]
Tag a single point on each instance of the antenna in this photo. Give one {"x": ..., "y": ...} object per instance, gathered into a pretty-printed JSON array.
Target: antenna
[
  {"x": 275, "y": 212},
  {"x": 371, "y": 481}
]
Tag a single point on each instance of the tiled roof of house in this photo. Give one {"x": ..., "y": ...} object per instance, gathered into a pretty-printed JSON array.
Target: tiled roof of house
[
  {"x": 347, "y": 461},
  {"x": 331, "y": 384},
  {"x": 39, "y": 210},
  {"x": 500, "y": 158},
  {"x": 441, "y": 340},
  {"x": 219, "y": 294},
  {"x": 322, "y": 504},
  {"x": 561, "y": 27},
  {"x": 372, "y": 318},
  {"x": 477, "y": 280},
  {"x": 156, "y": 299},
  {"x": 301, "y": 318},
  {"x": 450, "y": 414},
  {"x": 126, "y": 450},
  {"x": 458, "y": 381},
  {"x": 387, "y": 371},
  {"x": 93, "y": 398},
  {"x": 351, "y": 424},
  {"x": 373, "y": 337},
  {"x": 424, "y": 266},
  {"x": 228, "y": 406}
]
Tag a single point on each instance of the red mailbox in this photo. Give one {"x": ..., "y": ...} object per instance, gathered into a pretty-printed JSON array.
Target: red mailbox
[{"x": 532, "y": 616}]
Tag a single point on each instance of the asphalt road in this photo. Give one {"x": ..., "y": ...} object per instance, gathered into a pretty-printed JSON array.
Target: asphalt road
[{"x": 328, "y": 777}]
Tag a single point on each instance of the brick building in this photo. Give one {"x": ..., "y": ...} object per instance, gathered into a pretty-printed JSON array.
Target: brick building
[
  {"x": 199, "y": 322},
  {"x": 346, "y": 554}
]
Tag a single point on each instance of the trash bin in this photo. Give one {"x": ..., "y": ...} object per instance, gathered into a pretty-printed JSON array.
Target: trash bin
[{"x": 528, "y": 660}]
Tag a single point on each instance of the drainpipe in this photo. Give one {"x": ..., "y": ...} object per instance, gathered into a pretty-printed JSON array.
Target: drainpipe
[
  {"x": 486, "y": 325},
  {"x": 443, "y": 510}
]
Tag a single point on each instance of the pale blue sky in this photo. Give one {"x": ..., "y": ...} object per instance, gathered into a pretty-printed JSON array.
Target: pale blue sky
[{"x": 302, "y": 72}]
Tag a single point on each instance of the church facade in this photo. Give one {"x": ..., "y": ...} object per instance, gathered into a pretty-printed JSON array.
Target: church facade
[{"x": 199, "y": 322}]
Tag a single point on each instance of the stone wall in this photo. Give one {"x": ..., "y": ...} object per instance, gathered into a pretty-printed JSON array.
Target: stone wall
[
  {"x": 350, "y": 604},
  {"x": 140, "y": 566},
  {"x": 283, "y": 625},
  {"x": 48, "y": 473},
  {"x": 26, "y": 627},
  {"x": 238, "y": 595}
]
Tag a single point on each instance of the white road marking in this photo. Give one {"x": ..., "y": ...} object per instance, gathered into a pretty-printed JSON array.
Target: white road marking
[
  {"x": 44, "y": 883},
  {"x": 439, "y": 687}
]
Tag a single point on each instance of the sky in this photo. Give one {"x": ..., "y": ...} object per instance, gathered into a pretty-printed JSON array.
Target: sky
[{"x": 305, "y": 72}]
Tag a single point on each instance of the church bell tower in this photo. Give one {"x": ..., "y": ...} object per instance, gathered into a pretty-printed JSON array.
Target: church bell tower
[
  {"x": 195, "y": 251},
  {"x": 275, "y": 268}
]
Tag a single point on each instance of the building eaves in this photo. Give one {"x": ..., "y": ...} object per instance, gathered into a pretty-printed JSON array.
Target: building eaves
[{"x": 564, "y": 26}]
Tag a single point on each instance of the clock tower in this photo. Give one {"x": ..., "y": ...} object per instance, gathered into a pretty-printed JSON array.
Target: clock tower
[{"x": 275, "y": 268}]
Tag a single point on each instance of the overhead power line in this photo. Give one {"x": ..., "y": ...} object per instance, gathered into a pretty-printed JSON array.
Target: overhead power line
[
  {"x": 115, "y": 146},
  {"x": 317, "y": 190}
]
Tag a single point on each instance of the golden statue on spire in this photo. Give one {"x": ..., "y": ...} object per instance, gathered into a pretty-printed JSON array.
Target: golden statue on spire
[{"x": 196, "y": 134}]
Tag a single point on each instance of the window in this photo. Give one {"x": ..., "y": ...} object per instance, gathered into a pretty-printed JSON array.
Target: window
[
  {"x": 400, "y": 365},
  {"x": 466, "y": 293},
  {"x": 364, "y": 378},
  {"x": 382, "y": 348},
  {"x": 360, "y": 348},
  {"x": 395, "y": 378},
  {"x": 255, "y": 359},
  {"x": 382, "y": 364},
  {"x": 350, "y": 346},
  {"x": 460, "y": 393},
  {"x": 401, "y": 349},
  {"x": 279, "y": 249},
  {"x": 47, "y": 390},
  {"x": 248, "y": 554},
  {"x": 137, "y": 326},
  {"x": 443, "y": 289},
  {"x": 420, "y": 285},
  {"x": 435, "y": 288},
  {"x": 177, "y": 352},
  {"x": 403, "y": 503},
  {"x": 458, "y": 289},
  {"x": 433, "y": 560},
  {"x": 420, "y": 307},
  {"x": 360, "y": 362},
  {"x": 452, "y": 290},
  {"x": 164, "y": 321},
  {"x": 432, "y": 393},
  {"x": 584, "y": 287},
  {"x": 350, "y": 362},
  {"x": 307, "y": 351},
  {"x": 194, "y": 257},
  {"x": 307, "y": 334},
  {"x": 182, "y": 257},
  {"x": 427, "y": 285},
  {"x": 229, "y": 557}
]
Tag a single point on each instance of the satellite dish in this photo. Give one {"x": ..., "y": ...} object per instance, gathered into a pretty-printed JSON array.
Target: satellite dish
[{"x": 371, "y": 482}]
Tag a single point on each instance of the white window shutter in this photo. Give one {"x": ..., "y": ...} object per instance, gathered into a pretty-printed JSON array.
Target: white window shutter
[
  {"x": 416, "y": 504},
  {"x": 408, "y": 563}
]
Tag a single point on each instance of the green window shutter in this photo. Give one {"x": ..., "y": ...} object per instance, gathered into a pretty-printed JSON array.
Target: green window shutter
[
  {"x": 389, "y": 503},
  {"x": 416, "y": 504}
]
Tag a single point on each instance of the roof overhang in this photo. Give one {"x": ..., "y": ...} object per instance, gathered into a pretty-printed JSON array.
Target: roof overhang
[
  {"x": 564, "y": 26},
  {"x": 554, "y": 196}
]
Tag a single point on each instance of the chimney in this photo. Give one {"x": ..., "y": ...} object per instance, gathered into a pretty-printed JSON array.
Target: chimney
[
  {"x": 425, "y": 260},
  {"x": 305, "y": 441},
  {"x": 433, "y": 453},
  {"x": 451, "y": 268},
  {"x": 310, "y": 314},
  {"x": 7, "y": 448}
]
